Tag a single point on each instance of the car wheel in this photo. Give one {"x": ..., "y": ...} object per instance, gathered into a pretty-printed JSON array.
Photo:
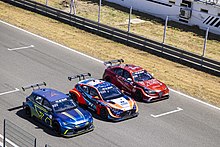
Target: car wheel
[
  {"x": 28, "y": 111},
  {"x": 104, "y": 113},
  {"x": 56, "y": 128},
  {"x": 108, "y": 79},
  {"x": 138, "y": 96}
]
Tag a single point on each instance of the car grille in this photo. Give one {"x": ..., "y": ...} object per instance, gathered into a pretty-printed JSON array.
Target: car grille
[{"x": 129, "y": 112}]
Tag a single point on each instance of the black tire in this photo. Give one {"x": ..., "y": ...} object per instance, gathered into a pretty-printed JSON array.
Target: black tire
[
  {"x": 56, "y": 128},
  {"x": 74, "y": 97},
  {"x": 138, "y": 96},
  {"x": 108, "y": 79},
  {"x": 28, "y": 111},
  {"x": 104, "y": 113}
]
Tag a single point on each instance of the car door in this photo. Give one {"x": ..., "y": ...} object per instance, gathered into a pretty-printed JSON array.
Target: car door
[
  {"x": 47, "y": 118},
  {"x": 127, "y": 82},
  {"x": 38, "y": 107},
  {"x": 118, "y": 81},
  {"x": 89, "y": 98}
]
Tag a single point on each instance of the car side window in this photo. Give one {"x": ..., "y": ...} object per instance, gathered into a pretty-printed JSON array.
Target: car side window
[
  {"x": 38, "y": 99},
  {"x": 126, "y": 75},
  {"x": 94, "y": 93},
  {"x": 46, "y": 104},
  {"x": 118, "y": 71},
  {"x": 85, "y": 88}
]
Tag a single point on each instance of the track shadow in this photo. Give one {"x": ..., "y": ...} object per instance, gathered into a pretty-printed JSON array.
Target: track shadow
[{"x": 38, "y": 125}]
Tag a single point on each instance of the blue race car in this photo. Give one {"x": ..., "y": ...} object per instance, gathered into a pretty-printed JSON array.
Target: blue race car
[{"x": 57, "y": 110}]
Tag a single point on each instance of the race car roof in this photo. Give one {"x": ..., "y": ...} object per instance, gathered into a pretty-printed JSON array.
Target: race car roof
[
  {"x": 95, "y": 83},
  {"x": 50, "y": 94},
  {"x": 132, "y": 68}
]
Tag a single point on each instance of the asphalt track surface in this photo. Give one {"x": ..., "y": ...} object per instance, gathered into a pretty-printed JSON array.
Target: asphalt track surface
[{"x": 176, "y": 122}]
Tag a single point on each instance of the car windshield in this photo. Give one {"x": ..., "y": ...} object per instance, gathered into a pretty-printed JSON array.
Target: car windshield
[
  {"x": 142, "y": 75},
  {"x": 63, "y": 104},
  {"x": 109, "y": 92}
]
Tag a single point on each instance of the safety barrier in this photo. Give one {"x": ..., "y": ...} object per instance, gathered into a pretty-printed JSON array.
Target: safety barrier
[
  {"x": 17, "y": 137},
  {"x": 162, "y": 50},
  {"x": 14, "y": 136}
]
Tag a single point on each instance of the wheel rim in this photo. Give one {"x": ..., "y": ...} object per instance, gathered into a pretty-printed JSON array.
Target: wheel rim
[{"x": 138, "y": 96}]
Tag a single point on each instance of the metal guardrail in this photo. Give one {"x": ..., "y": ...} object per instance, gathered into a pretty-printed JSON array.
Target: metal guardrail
[
  {"x": 171, "y": 53},
  {"x": 17, "y": 136}
]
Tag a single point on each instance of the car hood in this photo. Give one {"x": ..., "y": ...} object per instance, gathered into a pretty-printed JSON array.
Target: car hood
[
  {"x": 152, "y": 84},
  {"x": 121, "y": 103},
  {"x": 74, "y": 116}
]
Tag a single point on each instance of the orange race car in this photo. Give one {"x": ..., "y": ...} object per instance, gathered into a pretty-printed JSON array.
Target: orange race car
[{"x": 103, "y": 98}]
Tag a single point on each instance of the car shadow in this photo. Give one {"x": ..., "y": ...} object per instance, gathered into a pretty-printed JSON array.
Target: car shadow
[{"x": 36, "y": 122}]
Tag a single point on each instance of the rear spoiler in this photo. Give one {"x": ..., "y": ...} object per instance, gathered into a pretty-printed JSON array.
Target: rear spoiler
[
  {"x": 33, "y": 86},
  {"x": 80, "y": 76},
  {"x": 113, "y": 62}
]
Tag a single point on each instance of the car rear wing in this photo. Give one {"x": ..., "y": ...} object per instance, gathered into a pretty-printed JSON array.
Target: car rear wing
[
  {"x": 113, "y": 62},
  {"x": 33, "y": 86},
  {"x": 80, "y": 76}
]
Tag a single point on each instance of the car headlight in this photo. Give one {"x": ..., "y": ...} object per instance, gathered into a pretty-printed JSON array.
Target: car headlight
[
  {"x": 64, "y": 123},
  {"x": 150, "y": 91},
  {"x": 115, "y": 111},
  {"x": 134, "y": 107}
]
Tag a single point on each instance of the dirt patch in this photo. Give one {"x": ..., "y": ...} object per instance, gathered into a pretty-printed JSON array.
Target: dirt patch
[{"x": 179, "y": 77}]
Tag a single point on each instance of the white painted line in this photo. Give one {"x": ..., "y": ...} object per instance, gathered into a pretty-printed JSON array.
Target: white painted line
[
  {"x": 21, "y": 48},
  {"x": 16, "y": 89},
  {"x": 200, "y": 101},
  {"x": 98, "y": 60},
  {"x": 170, "y": 112},
  {"x": 9, "y": 141}
]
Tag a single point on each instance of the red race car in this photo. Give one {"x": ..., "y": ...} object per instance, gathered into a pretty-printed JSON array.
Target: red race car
[{"x": 135, "y": 81}]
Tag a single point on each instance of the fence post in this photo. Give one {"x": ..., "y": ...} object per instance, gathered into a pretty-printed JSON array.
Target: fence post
[
  {"x": 35, "y": 142},
  {"x": 99, "y": 14},
  {"x": 4, "y": 134},
  {"x": 74, "y": 8},
  {"x": 71, "y": 6},
  {"x": 46, "y": 2},
  {"x": 205, "y": 41},
  {"x": 129, "y": 21},
  {"x": 165, "y": 28}
]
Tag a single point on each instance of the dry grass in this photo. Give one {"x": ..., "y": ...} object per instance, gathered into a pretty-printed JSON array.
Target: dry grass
[
  {"x": 187, "y": 80},
  {"x": 181, "y": 36}
]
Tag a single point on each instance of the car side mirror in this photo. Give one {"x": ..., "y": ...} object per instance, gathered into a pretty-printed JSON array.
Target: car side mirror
[{"x": 129, "y": 79}]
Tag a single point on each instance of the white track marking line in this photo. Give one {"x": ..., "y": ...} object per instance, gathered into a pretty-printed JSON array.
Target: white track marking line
[
  {"x": 98, "y": 60},
  {"x": 16, "y": 89},
  {"x": 9, "y": 141},
  {"x": 200, "y": 101},
  {"x": 21, "y": 48},
  {"x": 166, "y": 113}
]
